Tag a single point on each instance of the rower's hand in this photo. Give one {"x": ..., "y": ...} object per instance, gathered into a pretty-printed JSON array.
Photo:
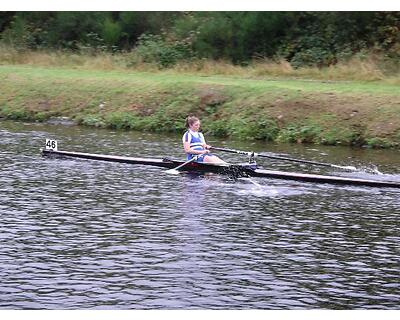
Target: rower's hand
[
  {"x": 206, "y": 151},
  {"x": 207, "y": 146}
]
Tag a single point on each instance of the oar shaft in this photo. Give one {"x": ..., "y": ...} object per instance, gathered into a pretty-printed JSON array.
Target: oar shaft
[
  {"x": 231, "y": 150},
  {"x": 276, "y": 157},
  {"x": 298, "y": 160},
  {"x": 185, "y": 163},
  {"x": 175, "y": 170}
]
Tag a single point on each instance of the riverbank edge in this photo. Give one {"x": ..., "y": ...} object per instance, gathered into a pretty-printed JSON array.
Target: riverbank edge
[{"x": 276, "y": 110}]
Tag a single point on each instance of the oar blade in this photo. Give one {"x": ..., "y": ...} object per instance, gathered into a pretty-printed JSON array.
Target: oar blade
[
  {"x": 173, "y": 171},
  {"x": 349, "y": 168}
]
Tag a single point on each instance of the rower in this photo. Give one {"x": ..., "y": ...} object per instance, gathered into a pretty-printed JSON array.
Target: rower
[{"x": 195, "y": 144}]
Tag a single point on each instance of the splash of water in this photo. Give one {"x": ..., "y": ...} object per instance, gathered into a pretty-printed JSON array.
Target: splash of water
[
  {"x": 372, "y": 169},
  {"x": 260, "y": 190}
]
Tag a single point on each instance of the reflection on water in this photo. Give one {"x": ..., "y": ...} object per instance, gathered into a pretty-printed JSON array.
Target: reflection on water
[{"x": 82, "y": 234}]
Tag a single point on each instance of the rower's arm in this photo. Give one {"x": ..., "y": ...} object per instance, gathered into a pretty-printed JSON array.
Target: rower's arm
[{"x": 204, "y": 145}]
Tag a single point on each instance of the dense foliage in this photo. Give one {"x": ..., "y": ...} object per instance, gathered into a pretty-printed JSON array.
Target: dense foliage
[{"x": 302, "y": 38}]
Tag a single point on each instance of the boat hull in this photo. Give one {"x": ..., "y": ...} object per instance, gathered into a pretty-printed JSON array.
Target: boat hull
[{"x": 230, "y": 169}]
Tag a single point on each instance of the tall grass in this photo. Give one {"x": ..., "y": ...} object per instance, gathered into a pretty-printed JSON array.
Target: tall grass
[{"x": 366, "y": 68}]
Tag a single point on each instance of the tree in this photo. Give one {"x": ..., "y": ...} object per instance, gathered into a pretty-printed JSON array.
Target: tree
[{"x": 111, "y": 32}]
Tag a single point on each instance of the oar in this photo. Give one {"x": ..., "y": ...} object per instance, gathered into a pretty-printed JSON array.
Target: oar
[
  {"x": 285, "y": 159},
  {"x": 175, "y": 170}
]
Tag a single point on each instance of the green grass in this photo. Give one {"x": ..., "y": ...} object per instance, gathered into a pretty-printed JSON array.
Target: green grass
[
  {"x": 284, "y": 110},
  {"x": 130, "y": 78}
]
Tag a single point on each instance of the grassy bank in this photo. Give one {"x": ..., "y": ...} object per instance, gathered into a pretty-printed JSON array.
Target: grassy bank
[{"x": 239, "y": 105}]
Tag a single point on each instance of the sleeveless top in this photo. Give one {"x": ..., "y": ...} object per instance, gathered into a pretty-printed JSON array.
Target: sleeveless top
[{"x": 196, "y": 139}]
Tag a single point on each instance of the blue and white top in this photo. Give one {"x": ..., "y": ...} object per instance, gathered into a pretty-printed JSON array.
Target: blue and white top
[{"x": 196, "y": 140}]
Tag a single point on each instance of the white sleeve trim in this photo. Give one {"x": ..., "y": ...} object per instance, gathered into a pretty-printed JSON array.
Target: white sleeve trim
[
  {"x": 189, "y": 136},
  {"x": 202, "y": 137}
]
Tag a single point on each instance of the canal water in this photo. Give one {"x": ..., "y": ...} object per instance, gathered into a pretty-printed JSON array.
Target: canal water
[{"x": 79, "y": 234}]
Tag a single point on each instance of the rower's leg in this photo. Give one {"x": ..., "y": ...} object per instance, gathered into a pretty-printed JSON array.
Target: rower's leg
[{"x": 213, "y": 159}]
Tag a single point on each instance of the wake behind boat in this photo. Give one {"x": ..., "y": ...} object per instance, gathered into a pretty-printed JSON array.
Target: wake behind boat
[{"x": 236, "y": 170}]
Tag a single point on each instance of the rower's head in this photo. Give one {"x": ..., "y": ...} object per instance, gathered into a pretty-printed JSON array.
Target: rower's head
[{"x": 192, "y": 123}]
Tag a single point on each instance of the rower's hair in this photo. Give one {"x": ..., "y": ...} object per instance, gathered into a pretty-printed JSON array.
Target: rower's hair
[{"x": 190, "y": 120}]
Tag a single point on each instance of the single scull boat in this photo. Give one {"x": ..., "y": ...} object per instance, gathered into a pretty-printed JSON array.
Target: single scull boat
[{"x": 237, "y": 170}]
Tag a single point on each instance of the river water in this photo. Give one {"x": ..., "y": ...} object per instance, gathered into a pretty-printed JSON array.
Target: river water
[{"x": 79, "y": 234}]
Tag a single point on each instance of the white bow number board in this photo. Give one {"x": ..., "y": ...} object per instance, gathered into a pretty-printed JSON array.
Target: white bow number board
[{"x": 51, "y": 144}]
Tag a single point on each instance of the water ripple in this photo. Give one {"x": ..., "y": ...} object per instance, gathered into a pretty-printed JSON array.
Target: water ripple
[{"x": 86, "y": 235}]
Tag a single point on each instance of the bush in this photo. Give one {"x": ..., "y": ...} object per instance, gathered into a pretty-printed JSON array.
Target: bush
[
  {"x": 20, "y": 35},
  {"x": 379, "y": 143},
  {"x": 156, "y": 49},
  {"x": 16, "y": 114},
  {"x": 218, "y": 128},
  {"x": 91, "y": 44},
  {"x": 92, "y": 120},
  {"x": 42, "y": 116},
  {"x": 299, "y": 134},
  {"x": 260, "y": 129},
  {"x": 122, "y": 120},
  {"x": 397, "y": 136},
  {"x": 313, "y": 57}
]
